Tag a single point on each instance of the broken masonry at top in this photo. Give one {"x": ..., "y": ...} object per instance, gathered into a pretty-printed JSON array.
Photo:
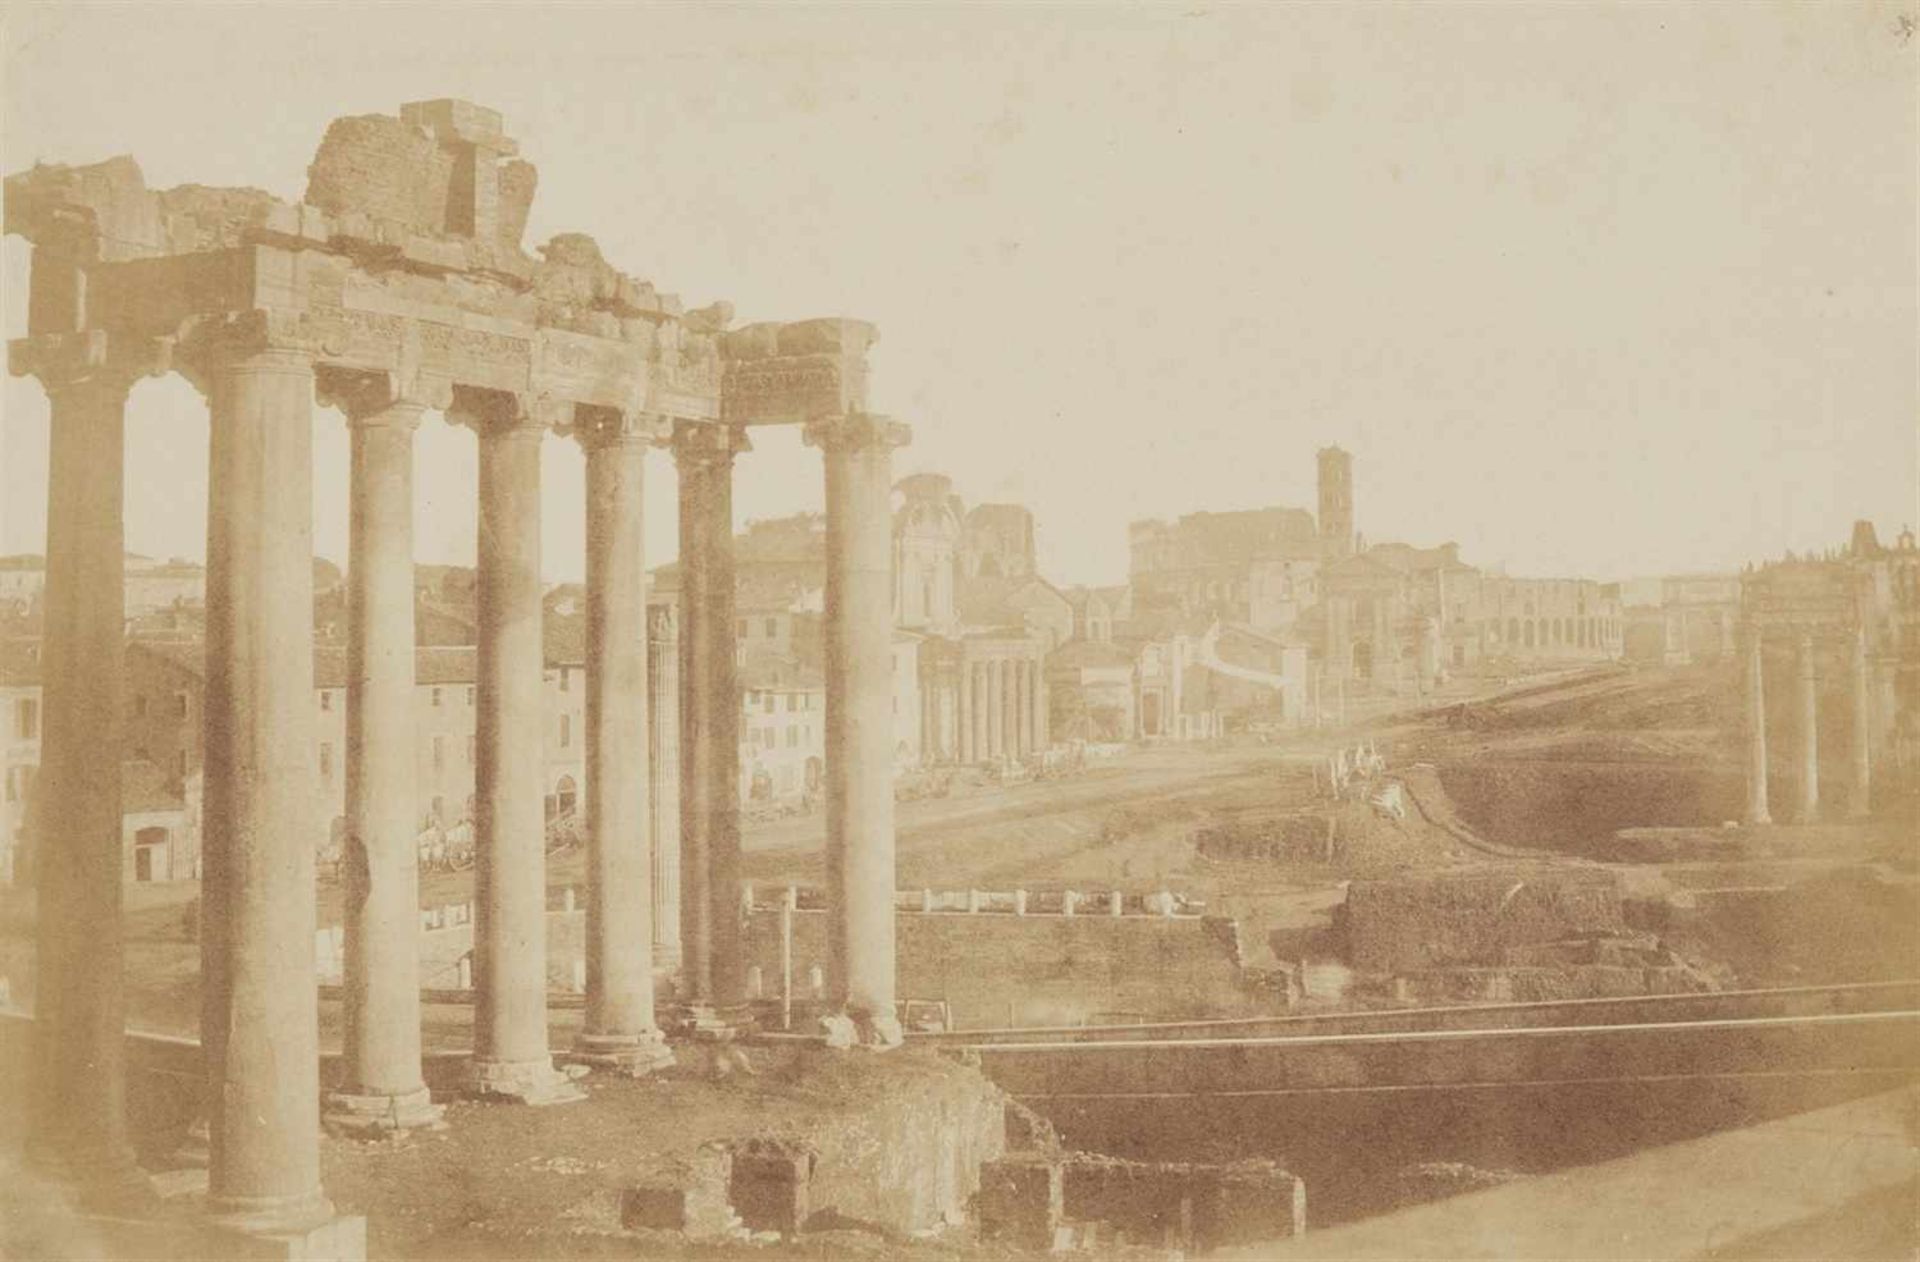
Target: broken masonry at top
[{"x": 797, "y": 372}]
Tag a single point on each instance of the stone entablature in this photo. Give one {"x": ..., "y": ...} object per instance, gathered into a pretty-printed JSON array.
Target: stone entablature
[{"x": 404, "y": 258}]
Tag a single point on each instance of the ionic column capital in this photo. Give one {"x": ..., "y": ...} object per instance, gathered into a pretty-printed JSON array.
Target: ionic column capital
[
  {"x": 857, "y": 431},
  {"x": 381, "y": 398},
  {"x": 92, "y": 359},
  {"x": 506, "y": 413},
  {"x": 703, "y": 446},
  {"x": 663, "y": 624},
  {"x": 595, "y": 426},
  {"x": 263, "y": 340}
]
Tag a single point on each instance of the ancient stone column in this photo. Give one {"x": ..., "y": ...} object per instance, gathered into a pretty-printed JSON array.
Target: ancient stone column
[
  {"x": 982, "y": 711},
  {"x": 710, "y": 940},
  {"x": 1809, "y": 736},
  {"x": 663, "y": 767},
  {"x": 996, "y": 671},
  {"x": 79, "y": 1092},
  {"x": 964, "y": 687},
  {"x": 1861, "y": 803},
  {"x": 1023, "y": 679},
  {"x": 1010, "y": 705},
  {"x": 1756, "y": 732},
  {"x": 511, "y": 1057},
  {"x": 619, "y": 1031},
  {"x": 382, "y": 1088},
  {"x": 858, "y": 453},
  {"x": 1042, "y": 712},
  {"x": 929, "y": 712},
  {"x": 260, "y": 1023}
]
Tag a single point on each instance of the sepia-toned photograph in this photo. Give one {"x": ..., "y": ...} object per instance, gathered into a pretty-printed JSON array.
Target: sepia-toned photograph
[{"x": 960, "y": 632}]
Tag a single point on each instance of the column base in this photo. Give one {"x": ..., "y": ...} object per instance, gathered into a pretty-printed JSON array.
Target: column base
[
  {"x": 705, "y": 1021},
  {"x": 335, "y": 1238},
  {"x": 267, "y": 1217},
  {"x": 353, "y": 1115},
  {"x": 534, "y": 1082},
  {"x": 847, "y": 1030},
  {"x": 633, "y": 1055}
]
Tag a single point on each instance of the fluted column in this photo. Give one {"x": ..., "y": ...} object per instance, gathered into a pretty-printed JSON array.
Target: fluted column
[
  {"x": 1809, "y": 736},
  {"x": 619, "y": 1031},
  {"x": 663, "y": 767},
  {"x": 511, "y": 1057},
  {"x": 1861, "y": 803},
  {"x": 79, "y": 1092},
  {"x": 1756, "y": 732},
  {"x": 710, "y": 940},
  {"x": 858, "y": 454},
  {"x": 964, "y": 742},
  {"x": 260, "y": 1024},
  {"x": 382, "y": 1088}
]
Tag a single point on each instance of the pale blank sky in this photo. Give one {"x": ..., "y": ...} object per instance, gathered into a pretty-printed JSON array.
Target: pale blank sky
[{"x": 1590, "y": 289}]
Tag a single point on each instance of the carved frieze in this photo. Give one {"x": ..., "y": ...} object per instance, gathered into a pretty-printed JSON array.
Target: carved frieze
[
  {"x": 784, "y": 373},
  {"x": 595, "y": 426}
]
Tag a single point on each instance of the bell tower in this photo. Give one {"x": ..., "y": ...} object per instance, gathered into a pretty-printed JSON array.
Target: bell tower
[{"x": 1336, "y": 503}]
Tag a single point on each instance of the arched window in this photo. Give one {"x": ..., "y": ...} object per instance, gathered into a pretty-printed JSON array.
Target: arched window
[{"x": 1530, "y": 633}]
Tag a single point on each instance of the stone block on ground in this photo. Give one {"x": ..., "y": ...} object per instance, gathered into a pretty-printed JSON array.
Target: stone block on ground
[
  {"x": 689, "y": 1195},
  {"x": 1248, "y": 1202},
  {"x": 770, "y": 1184},
  {"x": 1021, "y": 1201}
]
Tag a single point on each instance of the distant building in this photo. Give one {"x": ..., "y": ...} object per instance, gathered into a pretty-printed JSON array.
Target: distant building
[
  {"x": 21, "y": 577},
  {"x": 1254, "y": 567},
  {"x": 1680, "y": 618},
  {"x": 1863, "y": 596},
  {"x": 965, "y": 585},
  {"x": 159, "y": 813},
  {"x": 20, "y": 713},
  {"x": 783, "y": 737},
  {"x": 996, "y": 541},
  {"x": 166, "y": 686}
]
